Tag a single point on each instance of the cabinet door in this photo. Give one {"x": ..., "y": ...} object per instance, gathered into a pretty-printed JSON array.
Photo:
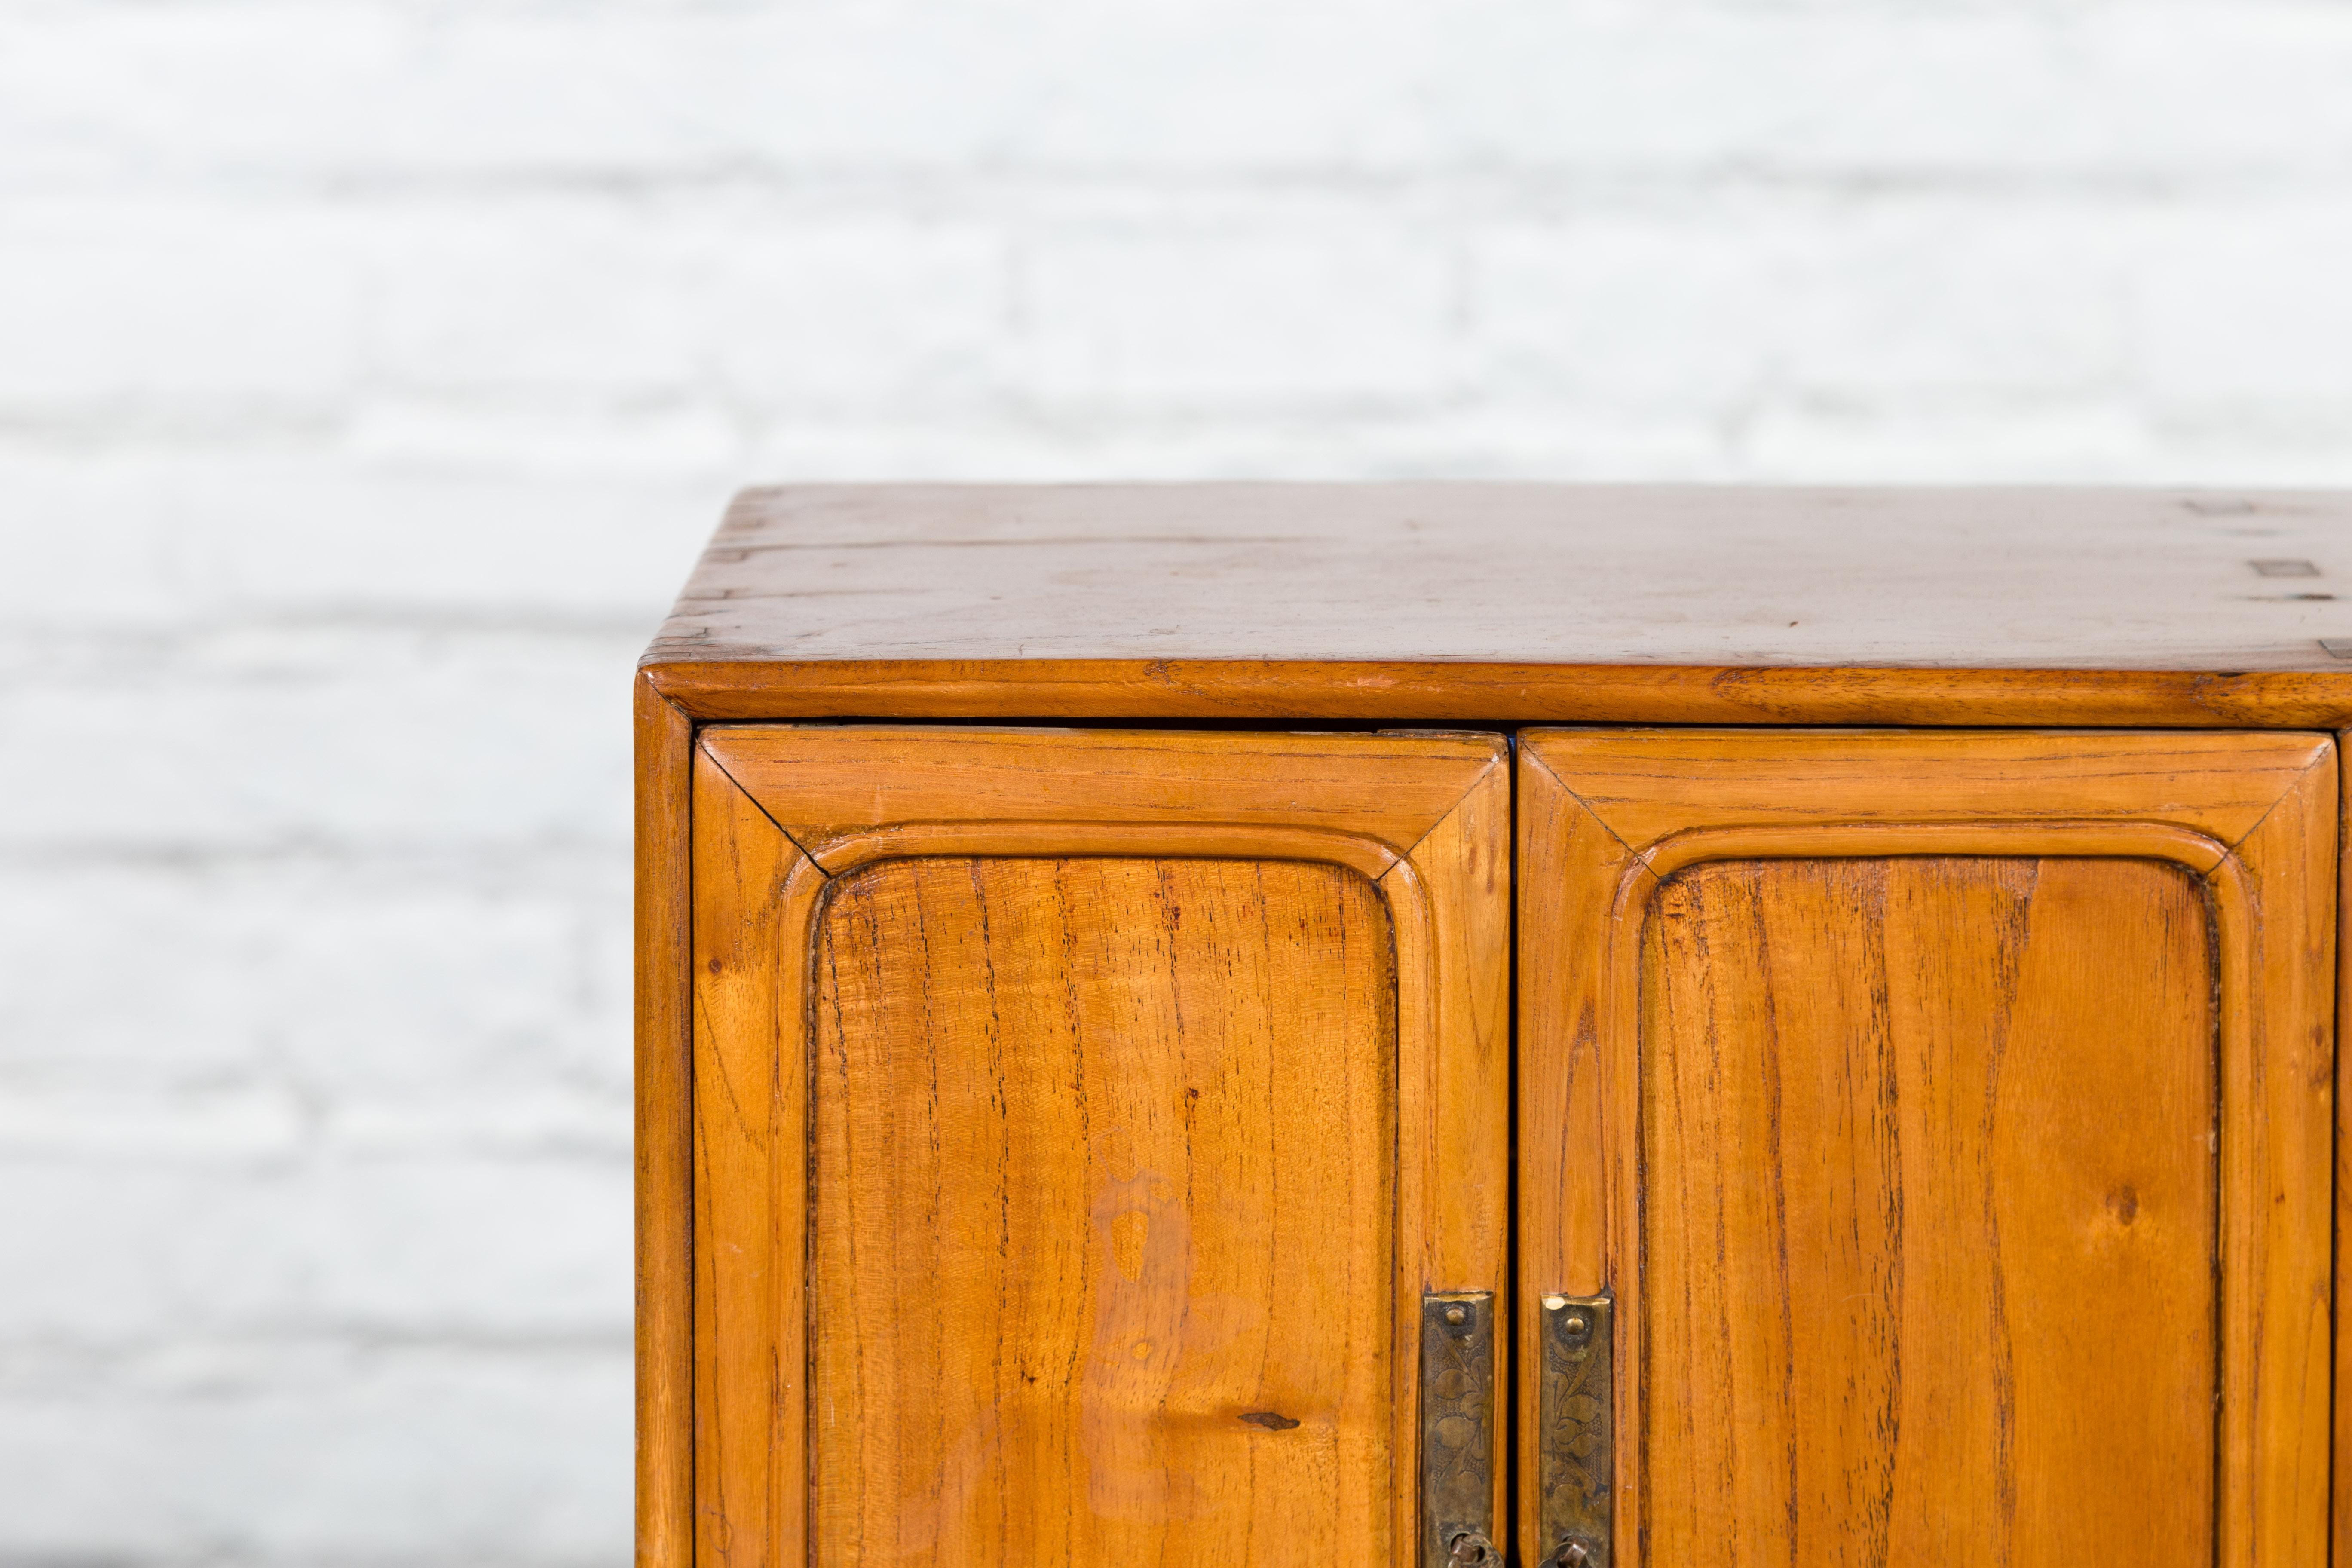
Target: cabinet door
[
  {"x": 1080, "y": 1119},
  {"x": 1950, "y": 1117}
]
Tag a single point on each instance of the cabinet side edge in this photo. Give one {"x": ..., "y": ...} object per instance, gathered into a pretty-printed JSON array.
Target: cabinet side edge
[{"x": 665, "y": 1369}]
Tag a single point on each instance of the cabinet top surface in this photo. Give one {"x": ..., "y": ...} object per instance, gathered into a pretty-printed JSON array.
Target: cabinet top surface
[{"x": 1526, "y": 573}]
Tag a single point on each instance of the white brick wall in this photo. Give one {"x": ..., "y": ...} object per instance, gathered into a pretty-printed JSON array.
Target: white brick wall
[{"x": 369, "y": 369}]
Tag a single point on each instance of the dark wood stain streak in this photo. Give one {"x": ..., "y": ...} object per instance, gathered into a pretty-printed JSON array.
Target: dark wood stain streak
[
  {"x": 1073, "y": 1451},
  {"x": 2016, "y": 930},
  {"x": 999, "y": 1102},
  {"x": 724, "y": 553},
  {"x": 714, "y": 1436},
  {"x": 1747, "y": 891},
  {"x": 829, "y": 958},
  {"x": 1895, "y": 1209},
  {"x": 1171, "y": 911}
]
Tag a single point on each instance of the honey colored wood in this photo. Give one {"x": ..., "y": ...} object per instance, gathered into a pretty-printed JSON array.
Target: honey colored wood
[
  {"x": 664, "y": 1179},
  {"x": 754, "y": 895},
  {"x": 1929, "y": 1221},
  {"x": 2274, "y": 903},
  {"x": 1177, "y": 1119},
  {"x": 1784, "y": 943},
  {"x": 1654, "y": 787},
  {"x": 1421, "y": 603},
  {"x": 880, "y": 786},
  {"x": 1403, "y": 691},
  {"x": 1105, "y": 1213},
  {"x": 1461, "y": 951},
  {"x": 2343, "y": 1402}
]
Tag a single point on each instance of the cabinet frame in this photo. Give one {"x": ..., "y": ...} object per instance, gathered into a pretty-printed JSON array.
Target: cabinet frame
[
  {"x": 2231, "y": 845},
  {"x": 1606, "y": 816},
  {"x": 778, "y": 812}
]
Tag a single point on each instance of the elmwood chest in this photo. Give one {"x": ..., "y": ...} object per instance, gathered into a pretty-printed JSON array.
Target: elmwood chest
[{"x": 1405, "y": 1024}]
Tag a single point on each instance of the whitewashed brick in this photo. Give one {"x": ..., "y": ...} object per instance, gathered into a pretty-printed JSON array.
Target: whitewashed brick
[
  {"x": 448, "y": 1243},
  {"x": 653, "y": 92},
  {"x": 271, "y": 737},
  {"x": 2029, "y": 300},
  {"x": 108, "y": 977},
  {"x": 1221, "y": 85},
  {"x": 576, "y": 297},
  {"x": 115, "y": 303},
  {"x": 84, "y": 540},
  {"x": 1957, "y": 441},
  {"x": 2245, "y": 304},
  {"x": 1567, "y": 310},
  {"x": 257, "y": 534},
  {"x": 1241, "y": 319},
  {"x": 131, "y": 1123},
  {"x": 409, "y": 979},
  {"x": 888, "y": 312},
  {"x": 86, "y": 1251},
  {"x": 442, "y": 1246},
  {"x": 345, "y": 1454},
  {"x": 104, "y": 90},
  {"x": 555, "y": 437},
  {"x": 162, "y": 535}
]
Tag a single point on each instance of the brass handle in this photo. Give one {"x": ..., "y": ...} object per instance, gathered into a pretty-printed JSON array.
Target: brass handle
[
  {"x": 1576, "y": 1434},
  {"x": 1472, "y": 1550},
  {"x": 1457, "y": 1430}
]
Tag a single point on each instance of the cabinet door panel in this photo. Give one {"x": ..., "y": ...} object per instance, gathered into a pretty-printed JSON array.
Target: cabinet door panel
[
  {"x": 1949, "y": 1116},
  {"x": 1103, "y": 1170},
  {"x": 1080, "y": 1117}
]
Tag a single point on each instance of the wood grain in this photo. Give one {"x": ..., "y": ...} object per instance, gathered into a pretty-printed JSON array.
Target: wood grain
[
  {"x": 1649, "y": 785},
  {"x": 1930, "y": 1227},
  {"x": 1519, "y": 575},
  {"x": 2274, "y": 909},
  {"x": 1673, "y": 803},
  {"x": 876, "y": 783},
  {"x": 1480, "y": 691},
  {"x": 1104, "y": 1214},
  {"x": 665, "y": 1344},
  {"x": 754, "y": 895},
  {"x": 2341, "y": 1540},
  {"x": 1000, "y": 1019}
]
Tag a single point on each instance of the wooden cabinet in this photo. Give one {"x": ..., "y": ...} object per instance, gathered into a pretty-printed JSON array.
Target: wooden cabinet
[{"x": 1287, "y": 1026}]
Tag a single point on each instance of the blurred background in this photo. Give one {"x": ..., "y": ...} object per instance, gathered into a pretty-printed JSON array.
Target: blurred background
[{"x": 370, "y": 371}]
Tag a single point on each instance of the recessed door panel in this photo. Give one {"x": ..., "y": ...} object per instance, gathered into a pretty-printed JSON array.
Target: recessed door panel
[
  {"x": 1104, "y": 1213},
  {"x": 1930, "y": 1229}
]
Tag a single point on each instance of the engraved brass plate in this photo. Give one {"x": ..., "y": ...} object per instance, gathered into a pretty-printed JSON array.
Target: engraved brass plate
[
  {"x": 1576, "y": 1430},
  {"x": 1457, "y": 1421}
]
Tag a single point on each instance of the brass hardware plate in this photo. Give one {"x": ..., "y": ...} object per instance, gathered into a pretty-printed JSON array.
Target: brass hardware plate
[
  {"x": 1576, "y": 1432},
  {"x": 1457, "y": 1421}
]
